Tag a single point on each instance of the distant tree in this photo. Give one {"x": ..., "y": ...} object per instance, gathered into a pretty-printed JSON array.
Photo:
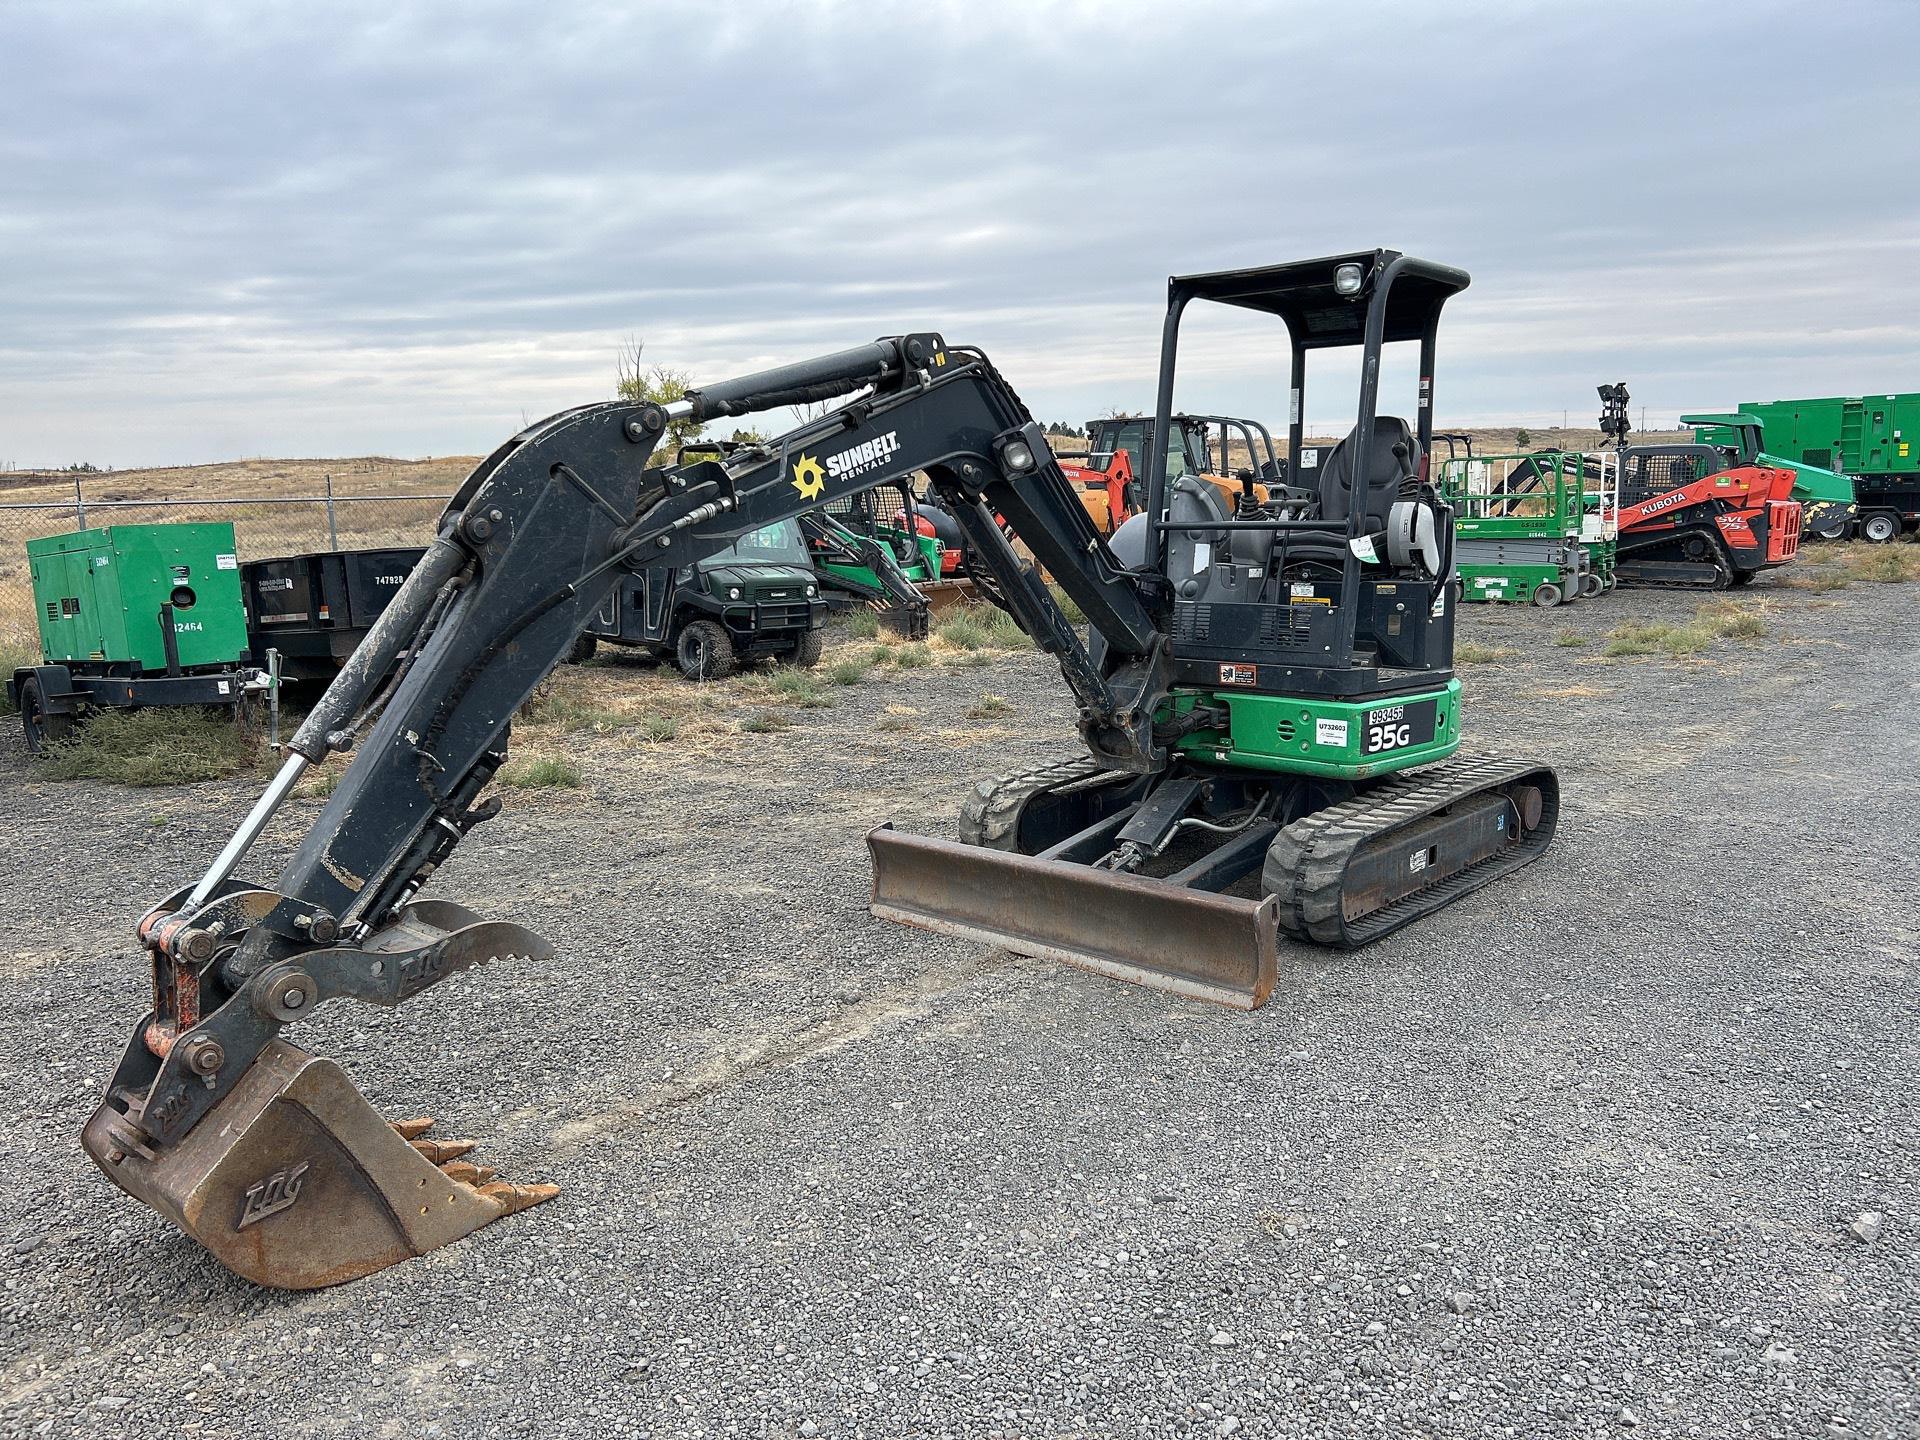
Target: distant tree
[
  {"x": 640, "y": 384},
  {"x": 1522, "y": 437}
]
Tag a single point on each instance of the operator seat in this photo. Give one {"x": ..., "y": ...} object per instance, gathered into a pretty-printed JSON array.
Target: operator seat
[{"x": 1395, "y": 463}]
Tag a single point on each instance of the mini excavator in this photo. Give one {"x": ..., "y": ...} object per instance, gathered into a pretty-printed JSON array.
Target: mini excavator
[{"x": 1266, "y": 703}]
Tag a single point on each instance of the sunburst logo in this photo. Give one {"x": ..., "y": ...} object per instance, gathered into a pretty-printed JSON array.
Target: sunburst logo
[{"x": 808, "y": 478}]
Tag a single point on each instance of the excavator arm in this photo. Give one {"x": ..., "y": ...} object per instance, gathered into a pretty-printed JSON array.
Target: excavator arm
[{"x": 268, "y": 1156}]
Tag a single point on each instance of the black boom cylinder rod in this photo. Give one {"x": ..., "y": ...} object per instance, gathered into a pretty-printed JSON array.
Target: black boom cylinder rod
[{"x": 805, "y": 381}]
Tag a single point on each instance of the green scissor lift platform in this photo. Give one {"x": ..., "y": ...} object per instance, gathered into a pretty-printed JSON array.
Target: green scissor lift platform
[{"x": 1533, "y": 529}]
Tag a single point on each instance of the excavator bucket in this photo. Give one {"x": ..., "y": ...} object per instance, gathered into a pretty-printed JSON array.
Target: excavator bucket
[
  {"x": 1149, "y": 932},
  {"x": 946, "y": 596},
  {"x": 295, "y": 1181}
]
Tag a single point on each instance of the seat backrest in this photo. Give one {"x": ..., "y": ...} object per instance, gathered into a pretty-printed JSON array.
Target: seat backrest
[{"x": 1394, "y": 461}]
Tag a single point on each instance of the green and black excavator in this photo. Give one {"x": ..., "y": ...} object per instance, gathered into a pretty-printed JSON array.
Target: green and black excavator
[{"x": 1267, "y": 706}]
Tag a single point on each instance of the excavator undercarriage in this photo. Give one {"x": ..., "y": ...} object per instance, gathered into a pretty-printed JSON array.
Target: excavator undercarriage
[{"x": 1265, "y": 699}]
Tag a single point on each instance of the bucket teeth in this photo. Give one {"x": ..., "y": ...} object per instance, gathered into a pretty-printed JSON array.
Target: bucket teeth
[
  {"x": 441, "y": 1151},
  {"x": 512, "y": 1199},
  {"x": 412, "y": 1129},
  {"x": 467, "y": 1173}
]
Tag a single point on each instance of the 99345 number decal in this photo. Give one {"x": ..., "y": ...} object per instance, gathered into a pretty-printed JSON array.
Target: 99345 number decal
[{"x": 1398, "y": 727}]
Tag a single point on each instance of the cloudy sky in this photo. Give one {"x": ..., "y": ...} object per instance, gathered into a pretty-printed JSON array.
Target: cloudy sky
[{"x": 273, "y": 229}]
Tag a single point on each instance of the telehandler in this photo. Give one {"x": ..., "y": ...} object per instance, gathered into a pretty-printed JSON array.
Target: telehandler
[{"x": 1267, "y": 704}]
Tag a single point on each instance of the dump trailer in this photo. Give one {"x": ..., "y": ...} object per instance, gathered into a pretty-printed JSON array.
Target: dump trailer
[
  {"x": 1268, "y": 718},
  {"x": 132, "y": 616},
  {"x": 1522, "y": 527},
  {"x": 315, "y": 609},
  {"x": 1869, "y": 441}
]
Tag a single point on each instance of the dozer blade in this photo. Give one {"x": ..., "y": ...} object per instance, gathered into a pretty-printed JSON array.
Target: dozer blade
[
  {"x": 1148, "y": 932},
  {"x": 295, "y": 1181}
]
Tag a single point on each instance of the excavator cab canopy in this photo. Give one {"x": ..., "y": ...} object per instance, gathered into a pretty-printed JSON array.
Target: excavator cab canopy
[
  {"x": 1328, "y": 302},
  {"x": 1369, "y": 299}
]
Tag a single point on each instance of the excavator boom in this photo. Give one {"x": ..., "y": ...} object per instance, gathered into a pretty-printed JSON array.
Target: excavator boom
[{"x": 268, "y": 1156}]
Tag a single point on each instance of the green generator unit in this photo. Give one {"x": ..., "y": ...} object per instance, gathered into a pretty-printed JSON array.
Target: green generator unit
[
  {"x": 1521, "y": 529},
  {"x": 1870, "y": 439},
  {"x": 132, "y": 615}
]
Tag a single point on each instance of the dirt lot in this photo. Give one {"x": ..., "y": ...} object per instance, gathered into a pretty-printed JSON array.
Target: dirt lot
[{"x": 1578, "y": 1156}]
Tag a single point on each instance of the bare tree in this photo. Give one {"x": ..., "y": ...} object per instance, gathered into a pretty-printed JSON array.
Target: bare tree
[{"x": 640, "y": 383}]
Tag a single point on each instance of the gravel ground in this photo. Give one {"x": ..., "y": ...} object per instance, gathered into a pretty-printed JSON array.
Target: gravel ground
[{"x": 1579, "y": 1156}]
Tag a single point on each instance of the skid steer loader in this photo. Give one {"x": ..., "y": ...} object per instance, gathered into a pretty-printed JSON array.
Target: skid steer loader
[{"x": 1267, "y": 706}]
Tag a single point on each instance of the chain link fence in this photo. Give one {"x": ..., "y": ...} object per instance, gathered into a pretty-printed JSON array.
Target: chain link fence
[{"x": 264, "y": 525}]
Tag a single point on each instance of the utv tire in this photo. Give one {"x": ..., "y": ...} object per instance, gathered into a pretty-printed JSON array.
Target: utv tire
[
  {"x": 1548, "y": 596},
  {"x": 41, "y": 729},
  {"x": 807, "y": 652},
  {"x": 1880, "y": 527},
  {"x": 583, "y": 650},
  {"x": 705, "y": 652}
]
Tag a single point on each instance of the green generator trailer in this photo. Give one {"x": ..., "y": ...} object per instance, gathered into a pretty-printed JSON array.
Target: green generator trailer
[
  {"x": 1826, "y": 496},
  {"x": 1867, "y": 441},
  {"x": 132, "y": 615},
  {"x": 1533, "y": 529}
]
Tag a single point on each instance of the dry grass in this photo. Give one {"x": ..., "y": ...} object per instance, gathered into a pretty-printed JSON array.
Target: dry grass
[
  {"x": 156, "y": 747},
  {"x": 18, "y": 646},
  {"x": 988, "y": 706},
  {"x": 1473, "y": 653},
  {"x": 1572, "y": 692},
  {"x": 541, "y": 772},
  {"x": 1715, "y": 620},
  {"x": 1835, "y": 566},
  {"x": 1638, "y": 638},
  {"x": 1732, "y": 619}
]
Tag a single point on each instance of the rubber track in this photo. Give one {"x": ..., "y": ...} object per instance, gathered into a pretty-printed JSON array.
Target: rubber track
[
  {"x": 1306, "y": 866},
  {"x": 1624, "y": 562},
  {"x": 990, "y": 816}
]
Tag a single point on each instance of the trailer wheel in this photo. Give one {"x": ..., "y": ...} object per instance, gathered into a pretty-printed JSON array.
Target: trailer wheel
[
  {"x": 1547, "y": 596},
  {"x": 807, "y": 650},
  {"x": 1880, "y": 527},
  {"x": 705, "y": 652},
  {"x": 41, "y": 728}
]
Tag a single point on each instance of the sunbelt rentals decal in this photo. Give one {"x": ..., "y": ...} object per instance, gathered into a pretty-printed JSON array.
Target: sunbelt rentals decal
[{"x": 810, "y": 476}]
